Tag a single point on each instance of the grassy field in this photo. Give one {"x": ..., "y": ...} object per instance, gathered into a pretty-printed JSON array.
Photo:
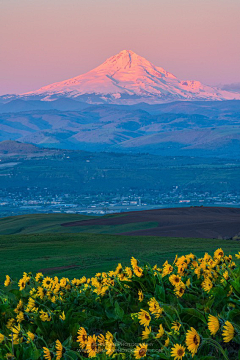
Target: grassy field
[
  {"x": 39, "y": 243},
  {"x": 51, "y": 223},
  {"x": 74, "y": 255}
]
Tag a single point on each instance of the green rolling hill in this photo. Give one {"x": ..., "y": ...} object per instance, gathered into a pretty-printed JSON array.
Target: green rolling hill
[
  {"x": 86, "y": 245},
  {"x": 75, "y": 255}
]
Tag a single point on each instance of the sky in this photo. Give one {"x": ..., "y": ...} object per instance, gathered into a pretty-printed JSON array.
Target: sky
[{"x": 45, "y": 41}]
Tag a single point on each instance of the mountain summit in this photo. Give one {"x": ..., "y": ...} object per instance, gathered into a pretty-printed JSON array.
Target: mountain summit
[{"x": 127, "y": 78}]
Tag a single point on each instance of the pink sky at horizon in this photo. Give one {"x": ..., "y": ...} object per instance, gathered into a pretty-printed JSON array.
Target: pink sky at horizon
[{"x": 45, "y": 41}]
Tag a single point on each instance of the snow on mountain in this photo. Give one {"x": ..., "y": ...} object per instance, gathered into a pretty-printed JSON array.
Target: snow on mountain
[{"x": 128, "y": 78}]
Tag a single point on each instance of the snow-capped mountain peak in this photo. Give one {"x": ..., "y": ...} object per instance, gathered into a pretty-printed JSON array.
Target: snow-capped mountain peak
[{"x": 129, "y": 78}]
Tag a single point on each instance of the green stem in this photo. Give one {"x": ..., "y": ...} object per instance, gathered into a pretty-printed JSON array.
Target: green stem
[
  {"x": 218, "y": 346},
  {"x": 236, "y": 292},
  {"x": 40, "y": 338}
]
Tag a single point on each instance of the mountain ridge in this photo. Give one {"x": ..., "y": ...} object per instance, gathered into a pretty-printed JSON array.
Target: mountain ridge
[
  {"x": 183, "y": 128},
  {"x": 127, "y": 78}
]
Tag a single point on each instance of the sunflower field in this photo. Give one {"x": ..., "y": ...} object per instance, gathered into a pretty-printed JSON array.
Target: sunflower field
[{"x": 184, "y": 310}]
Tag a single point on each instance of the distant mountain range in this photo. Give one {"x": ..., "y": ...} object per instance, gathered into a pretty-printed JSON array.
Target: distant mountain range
[
  {"x": 128, "y": 78},
  {"x": 179, "y": 128}
]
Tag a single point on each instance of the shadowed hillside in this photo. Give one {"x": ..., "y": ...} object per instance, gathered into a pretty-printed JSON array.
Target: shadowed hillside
[{"x": 199, "y": 222}]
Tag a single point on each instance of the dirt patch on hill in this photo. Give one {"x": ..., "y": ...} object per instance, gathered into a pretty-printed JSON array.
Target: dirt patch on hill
[{"x": 198, "y": 222}]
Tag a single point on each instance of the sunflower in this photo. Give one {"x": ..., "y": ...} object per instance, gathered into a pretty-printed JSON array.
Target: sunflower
[
  {"x": 21, "y": 284},
  {"x": 10, "y": 323},
  {"x": 16, "y": 333},
  {"x": 206, "y": 257},
  {"x": 140, "y": 351},
  {"x": 128, "y": 271},
  {"x": 40, "y": 292},
  {"x": 146, "y": 332},
  {"x": 62, "y": 316},
  {"x": 82, "y": 337},
  {"x": 238, "y": 255},
  {"x": 101, "y": 339},
  {"x": 7, "y": 282},
  {"x": 175, "y": 260},
  {"x": 178, "y": 352},
  {"x": 207, "y": 285},
  {"x": 138, "y": 271},
  {"x": 175, "y": 279},
  {"x": 38, "y": 276},
  {"x": 44, "y": 316},
  {"x": 228, "y": 332},
  {"x": 30, "y": 337},
  {"x": 47, "y": 354},
  {"x": 167, "y": 269},
  {"x": 160, "y": 332},
  {"x": 109, "y": 336},
  {"x": 213, "y": 324},
  {"x": 175, "y": 326},
  {"x": 110, "y": 348},
  {"x": 102, "y": 290},
  {"x": 190, "y": 256},
  {"x": 75, "y": 282},
  {"x": 57, "y": 287},
  {"x": 91, "y": 346},
  {"x": 140, "y": 295},
  {"x": 119, "y": 269},
  {"x": 20, "y": 317},
  {"x": 181, "y": 269},
  {"x": 31, "y": 304},
  {"x": 19, "y": 306},
  {"x": 63, "y": 282},
  {"x": 180, "y": 289},
  {"x": 167, "y": 341},
  {"x": 228, "y": 258},
  {"x": 144, "y": 317},
  {"x": 47, "y": 282},
  {"x": 188, "y": 282},
  {"x": 9, "y": 356},
  {"x": 218, "y": 253},
  {"x": 180, "y": 260},
  {"x": 194, "y": 264},
  {"x": 2, "y": 337},
  {"x": 59, "y": 351},
  {"x": 226, "y": 275},
  {"x": 232, "y": 265},
  {"x": 197, "y": 271},
  {"x": 192, "y": 341},
  {"x": 155, "y": 308},
  {"x": 133, "y": 262}
]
